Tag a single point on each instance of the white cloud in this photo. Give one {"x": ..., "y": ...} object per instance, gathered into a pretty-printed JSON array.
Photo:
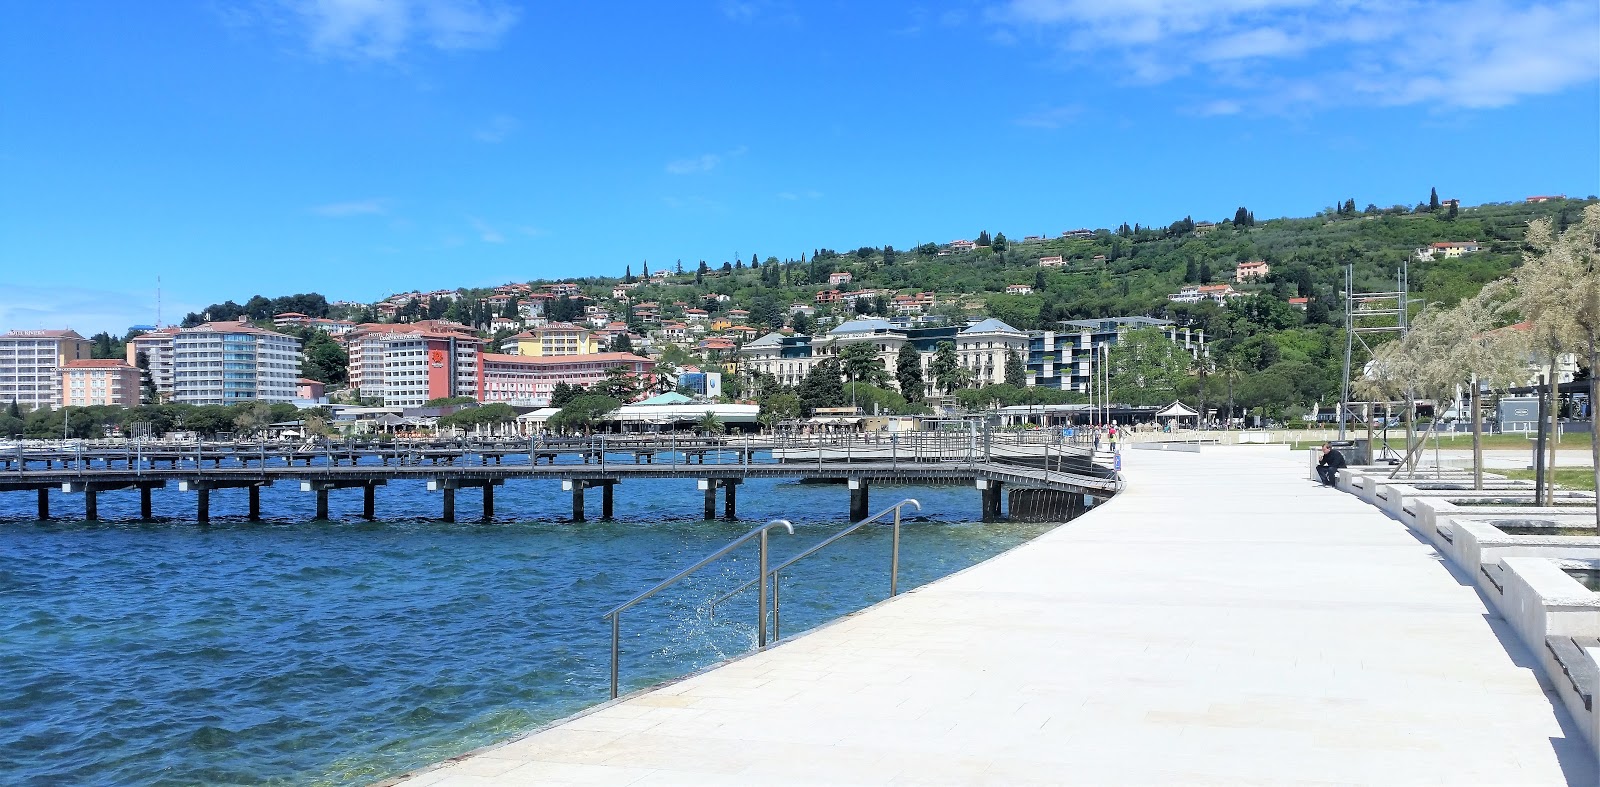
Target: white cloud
[
  {"x": 1264, "y": 53},
  {"x": 704, "y": 162},
  {"x": 486, "y": 233},
  {"x": 498, "y": 129},
  {"x": 386, "y": 29},
  {"x": 688, "y": 166},
  {"x": 1051, "y": 118},
  {"x": 340, "y": 210}
]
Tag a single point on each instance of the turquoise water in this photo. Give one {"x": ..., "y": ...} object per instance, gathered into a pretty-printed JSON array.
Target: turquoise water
[{"x": 288, "y": 652}]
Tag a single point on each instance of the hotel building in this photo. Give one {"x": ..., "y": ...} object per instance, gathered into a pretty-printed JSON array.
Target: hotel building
[
  {"x": 156, "y": 347},
  {"x": 233, "y": 362},
  {"x": 99, "y": 382},
  {"x": 529, "y": 381},
  {"x": 31, "y": 363},
  {"x": 410, "y": 364}
]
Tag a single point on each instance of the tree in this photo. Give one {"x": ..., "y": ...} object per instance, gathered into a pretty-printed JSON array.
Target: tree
[
  {"x": 821, "y": 387},
  {"x": 647, "y": 269},
  {"x": 1450, "y": 215},
  {"x": 1557, "y": 291},
  {"x": 908, "y": 373},
  {"x": 619, "y": 384},
  {"x": 147, "y": 384},
  {"x": 999, "y": 243},
  {"x": 983, "y": 238},
  {"x": 627, "y": 275},
  {"x": 622, "y": 343},
  {"x": 1433, "y": 200},
  {"x": 564, "y": 392},
  {"x": 946, "y": 368},
  {"x": 1243, "y": 218},
  {"x": 252, "y": 418},
  {"x": 666, "y": 373},
  {"x": 1146, "y": 368},
  {"x": 778, "y": 407},
  {"x": 860, "y": 363},
  {"x": 710, "y": 424},
  {"x": 1016, "y": 371}
]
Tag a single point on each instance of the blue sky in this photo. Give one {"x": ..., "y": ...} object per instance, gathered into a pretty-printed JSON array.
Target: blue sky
[{"x": 362, "y": 147}]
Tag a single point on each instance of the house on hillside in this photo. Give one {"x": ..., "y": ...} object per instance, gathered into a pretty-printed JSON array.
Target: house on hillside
[
  {"x": 1251, "y": 271},
  {"x": 1052, "y": 262},
  {"x": 1078, "y": 234},
  {"x": 838, "y": 278},
  {"x": 1019, "y": 289},
  {"x": 1448, "y": 250}
]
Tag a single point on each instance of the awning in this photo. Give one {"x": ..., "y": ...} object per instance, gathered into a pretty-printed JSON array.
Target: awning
[{"x": 1176, "y": 410}]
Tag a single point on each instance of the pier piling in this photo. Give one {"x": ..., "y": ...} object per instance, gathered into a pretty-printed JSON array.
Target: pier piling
[{"x": 44, "y": 504}]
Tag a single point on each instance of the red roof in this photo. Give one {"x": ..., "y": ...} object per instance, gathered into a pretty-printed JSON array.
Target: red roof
[
  {"x": 99, "y": 363},
  {"x": 531, "y": 360}
]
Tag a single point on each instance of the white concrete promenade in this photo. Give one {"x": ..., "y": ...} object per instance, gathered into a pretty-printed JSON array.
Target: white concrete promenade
[{"x": 1224, "y": 621}]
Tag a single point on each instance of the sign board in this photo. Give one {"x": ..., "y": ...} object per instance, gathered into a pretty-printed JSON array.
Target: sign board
[{"x": 1519, "y": 414}]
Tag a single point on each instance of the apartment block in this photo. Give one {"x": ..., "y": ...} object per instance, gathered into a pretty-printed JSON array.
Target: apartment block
[
  {"x": 156, "y": 347},
  {"x": 100, "y": 382},
  {"x": 529, "y": 381},
  {"x": 31, "y": 363},
  {"x": 556, "y": 338},
  {"x": 411, "y": 364},
  {"x": 233, "y": 362}
]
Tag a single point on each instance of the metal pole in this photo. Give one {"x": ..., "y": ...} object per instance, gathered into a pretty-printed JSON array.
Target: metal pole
[
  {"x": 1538, "y": 449},
  {"x": 894, "y": 556},
  {"x": 761, "y": 599},
  {"x": 776, "y": 631},
  {"x": 1349, "y": 347},
  {"x": 615, "y": 636}
]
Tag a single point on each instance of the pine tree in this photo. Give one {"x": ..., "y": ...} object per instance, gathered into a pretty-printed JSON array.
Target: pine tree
[
  {"x": 627, "y": 277},
  {"x": 908, "y": 373},
  {"x": 1205, "y": 273},
  {"x": 1241, "y": 217},
  {"x": 983, "y": 238},
  {"x": 1433, "y": 199},
  {"x": 1450, "y": 215},
  {"x": 1016, "y": 372},
  {"x": 647, "y": 269}
]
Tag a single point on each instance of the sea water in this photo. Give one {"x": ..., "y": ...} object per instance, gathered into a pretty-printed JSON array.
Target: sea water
[{"x": 342, "y": 652}]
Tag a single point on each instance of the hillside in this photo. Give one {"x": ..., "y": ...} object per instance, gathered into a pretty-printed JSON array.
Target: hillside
[{"x": 1283, "y": 356}]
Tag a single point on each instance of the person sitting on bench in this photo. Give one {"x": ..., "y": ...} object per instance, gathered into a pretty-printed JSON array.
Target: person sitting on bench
[{"x": 1328, "y": 466}]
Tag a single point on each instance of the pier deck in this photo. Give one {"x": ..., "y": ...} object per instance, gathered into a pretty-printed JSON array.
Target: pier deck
[{"x": 1223, "y": 620}]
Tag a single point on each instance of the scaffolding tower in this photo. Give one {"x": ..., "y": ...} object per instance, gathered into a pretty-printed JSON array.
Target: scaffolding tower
[{"x": 1368, "y": 313}]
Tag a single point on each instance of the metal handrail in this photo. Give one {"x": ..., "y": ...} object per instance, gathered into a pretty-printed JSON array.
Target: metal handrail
[
  {"x": 894, "y": 561},
  {"x": 616, "y": 612}
]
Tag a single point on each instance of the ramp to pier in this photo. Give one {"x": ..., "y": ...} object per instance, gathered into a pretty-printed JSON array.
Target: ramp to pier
[{"x": 1223, "y": 620}]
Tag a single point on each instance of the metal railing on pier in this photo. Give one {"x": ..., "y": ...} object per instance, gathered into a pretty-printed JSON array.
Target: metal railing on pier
[
  {"x": 615, "y": 615},
  {"x": 775, "y": 575}
]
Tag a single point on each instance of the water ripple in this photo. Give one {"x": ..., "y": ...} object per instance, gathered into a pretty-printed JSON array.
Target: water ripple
[{"x": 342, "y": 652}]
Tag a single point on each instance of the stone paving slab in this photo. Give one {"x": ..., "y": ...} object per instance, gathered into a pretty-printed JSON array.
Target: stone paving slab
[{"x": 1224, "y": 621}]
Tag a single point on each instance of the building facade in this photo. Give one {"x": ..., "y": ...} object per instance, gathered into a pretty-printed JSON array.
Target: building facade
[
  {"x": 156, "y": 347},
  {"x": 1065, "y": 359},
  {"x": 31, "y": 364},
  {"x": 412, "y": 364},
  {"x": 100, "y": 382},
  {"x": 981, "y": 348},
  {"x": 1061, "y": 359},
  {"x": 530, "y": 381},
  {"x": 556, "y": 338},
  {"x": 233, "y": 362}
]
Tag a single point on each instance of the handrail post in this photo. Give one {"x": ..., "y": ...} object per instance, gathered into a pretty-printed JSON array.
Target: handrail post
[
  {"x": 894, "y": 555},
  {"x": 615, "y": 636},
  {"x": 761, "y": 599},
  {"x": 776, "y": 629}
]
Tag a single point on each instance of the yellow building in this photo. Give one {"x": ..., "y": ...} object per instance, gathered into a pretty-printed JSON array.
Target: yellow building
[{"x": 557, "y": 338}]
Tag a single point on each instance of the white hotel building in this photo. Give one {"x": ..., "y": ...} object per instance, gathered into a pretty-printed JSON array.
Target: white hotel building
[
  {"x": 31, "y": 363},
  {"x": 233, "y": 362}
]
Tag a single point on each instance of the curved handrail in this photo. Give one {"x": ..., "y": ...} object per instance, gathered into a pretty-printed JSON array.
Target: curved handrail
[
  {"x": 669, "y": 581},
  {"x": 615, "y": 615},
  {"x": 894, "y": 570}
]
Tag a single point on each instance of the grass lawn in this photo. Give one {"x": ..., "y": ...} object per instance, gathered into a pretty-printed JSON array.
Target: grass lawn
[
  {"x": 1566, "y": 477},
  {"x": 1397, "y": 440}
]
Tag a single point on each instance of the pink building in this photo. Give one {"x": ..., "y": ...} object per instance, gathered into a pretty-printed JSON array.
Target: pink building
[
  {"x": 529, "y": 380},
  {"x": 307, "y": 388},
  {"x": 99, "y": 382}
]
